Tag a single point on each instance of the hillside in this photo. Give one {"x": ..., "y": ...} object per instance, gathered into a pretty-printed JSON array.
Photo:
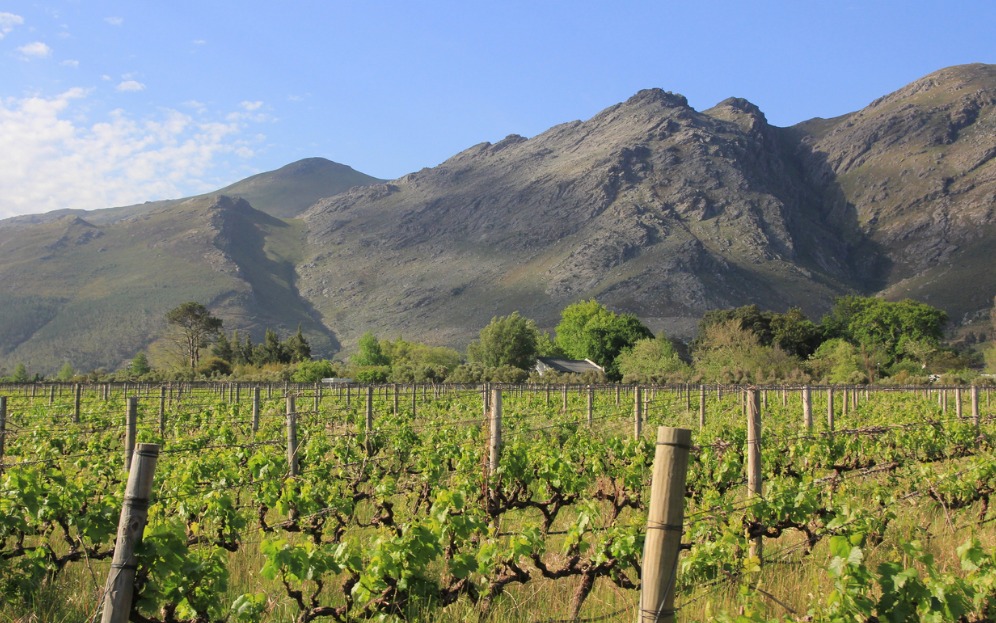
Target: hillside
[
  {"x": 650, "y": 206},
  {"x": 917, "y": 167},
  {"x": 95, "y": 295}
]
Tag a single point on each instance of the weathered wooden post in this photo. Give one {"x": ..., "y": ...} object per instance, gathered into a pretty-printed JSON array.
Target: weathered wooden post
[
  {"x": 702, "y": 406},
  {"x": 134, "y": 513},
  {"x": 958, "y": 401},
  {"x": 591, "y": 406},
  {"x": 162, "y": 411},
  {"x": 637, "y": 412},
  {"x": 754, "y": 482},
  {"x": 368, "y": 421},
  {"x": 494, "y": 441},
  {"x": 131, "y": 427},
  {"x": 807, "y": 408},
  {"x": 77, "y": 401},
  {"x": 3, "y": 427},
  {"x": 291, "y": 438},
  {"x": 830, "y": 408},
  {"x": 255, "y": 409},
  {"x": 665, "y": 519},
  {"x": 975, "y": 408}
]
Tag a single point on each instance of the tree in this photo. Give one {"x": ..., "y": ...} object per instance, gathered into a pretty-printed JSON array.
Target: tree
[
  {"x": 297, "y": 347},
  {"x": 369, "y": 352},
  {"x": 309, "y": 371},
  {"x": 223, "y": 349},
  {"x": 196, "y": 326},
  {"x": 272, "y": 350},
  {"x": 727, "y": 353},
  {"x": 749, "y": 317},
  {"x": 66, "y": 372},
  {"x": 20, "y": 374},
  {"x": 877, "y": 324},
  {"x": 651, "y": 361},
  {"x": 507, "y": 341},
  {"x": 837, "y": 361},
  {"x": 139, "y": 365},
  {"x": 794, "y": 333},
  {"x": 588, "y": 330}
]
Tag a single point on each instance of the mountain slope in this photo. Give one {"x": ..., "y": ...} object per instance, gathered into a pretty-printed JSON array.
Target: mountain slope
[
  {"x": 918, "y": 167},
  {"x": 650, "y": 206},
  {"x": 95, "y": 295}
]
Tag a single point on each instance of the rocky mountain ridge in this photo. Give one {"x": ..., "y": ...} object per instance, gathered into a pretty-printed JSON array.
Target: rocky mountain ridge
[{"x": 650, "y": 206}]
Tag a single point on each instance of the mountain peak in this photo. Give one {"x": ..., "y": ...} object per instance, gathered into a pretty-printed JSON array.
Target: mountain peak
[{"x": 660, "y": 97}]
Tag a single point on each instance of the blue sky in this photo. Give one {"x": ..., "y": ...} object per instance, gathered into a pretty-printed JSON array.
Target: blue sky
[{"x": 106, "y": 103}]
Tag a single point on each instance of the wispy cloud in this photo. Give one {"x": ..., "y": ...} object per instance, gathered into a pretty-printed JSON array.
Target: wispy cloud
[
  {"x": 8, "y": 21},
  {"x": 130, "y": 85},
  {"x": 114, "y": 20},
  {"x": 50, "y": 159},
  {"x": 36, "y": 49}
]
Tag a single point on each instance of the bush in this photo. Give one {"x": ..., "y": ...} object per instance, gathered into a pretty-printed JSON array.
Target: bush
[
  {"x": 214, "y": 366},
  {"x": 372, "y": 375},
  {"x": 313, "y": 371}
]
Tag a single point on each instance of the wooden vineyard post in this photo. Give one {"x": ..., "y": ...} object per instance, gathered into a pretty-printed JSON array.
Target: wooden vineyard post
[
  {"x": 368, "y": 422},
  {"x": 958, "y": 401},
  {"x": 255, "y": 409},
  {"x": 77, "y": 400},
  {"x": 494, "y": 440},
  {"x": 830, "y": 409},
  {"x": 395, "y": 388},
  {"x": 291, "y": 438},
  {"x": 591, "y": 406},
  {"x": 131, "y": 425},
  {"x": 754, "y": 482},
  {"x": 975, "y": 408},
  {"x": 637, "y": 412},
  {"x": 807, "y": 408},
  {"x": 134, "y": 513},
  {"x": 702, "y": 406},
  {"x": 162, "y": 411},
  {"x": 665, "y": 519},
  {"x": 3, "y": 427}
]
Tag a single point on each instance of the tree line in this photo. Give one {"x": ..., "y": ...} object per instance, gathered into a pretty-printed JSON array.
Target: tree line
[{"x": 860, "y": 340}]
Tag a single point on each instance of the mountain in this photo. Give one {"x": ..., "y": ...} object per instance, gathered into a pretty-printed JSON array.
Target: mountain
[
  {"x": 92, "y": 287},
  {"x": 917, "y": 169},
  {"x": 650, "y": 206}
]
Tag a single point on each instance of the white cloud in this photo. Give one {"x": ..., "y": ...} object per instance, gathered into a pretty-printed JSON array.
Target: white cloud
[
  {"x": 35, "y": 50},
  {"x": 8, "y": 21},
  {"x": 114, "y": 21},
  {"x": 50, "y": 159},
  {"x": 70, "y": 62},
  {"x": 130, "y": 85}
]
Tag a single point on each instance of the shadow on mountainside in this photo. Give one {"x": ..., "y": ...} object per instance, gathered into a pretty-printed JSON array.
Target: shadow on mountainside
[{"x": 265, "y": 248}]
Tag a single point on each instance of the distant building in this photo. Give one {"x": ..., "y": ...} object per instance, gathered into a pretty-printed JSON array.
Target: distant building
[{"x": 569, "y": 366}]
